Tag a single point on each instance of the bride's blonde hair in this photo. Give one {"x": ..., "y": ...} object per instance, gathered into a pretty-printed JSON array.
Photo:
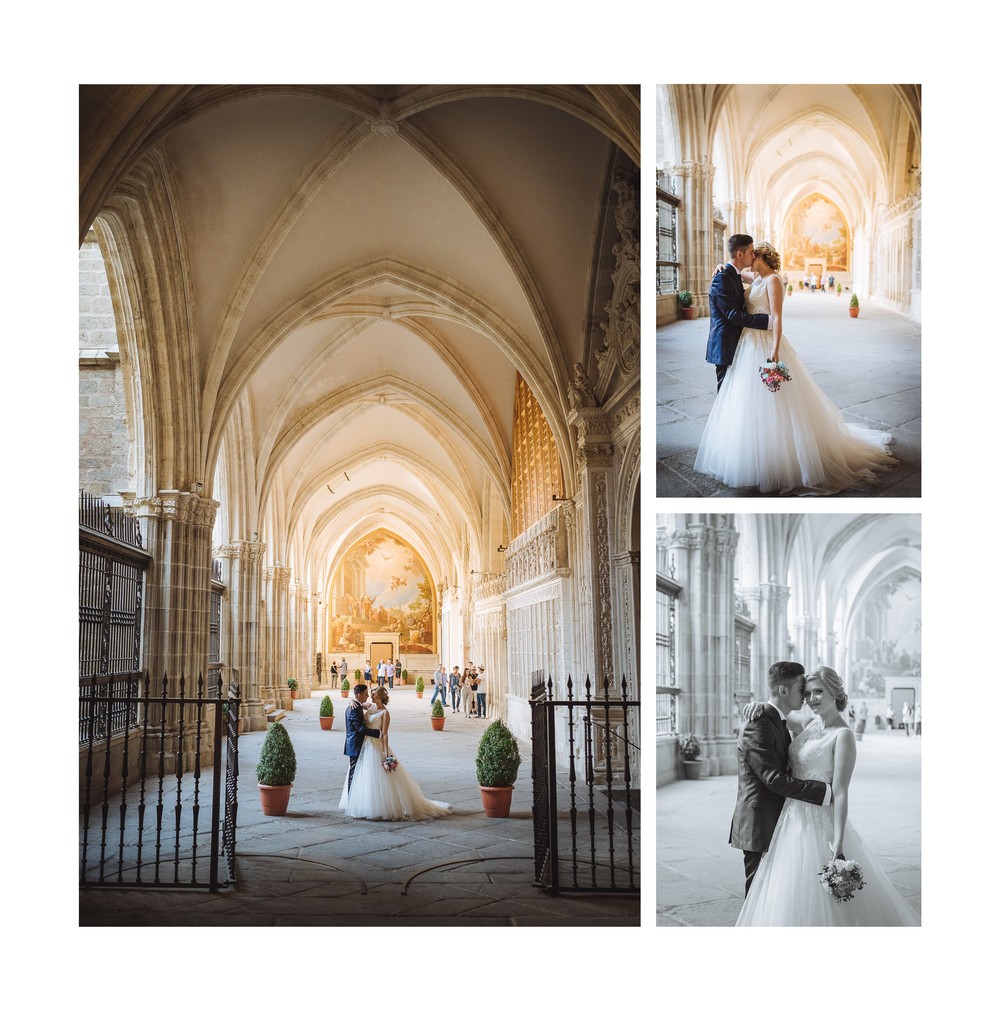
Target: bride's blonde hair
[
  {"x": 381, "y": 695},
  {"x": 768, "y": 254},
  {"x": 834, "y": 684}
]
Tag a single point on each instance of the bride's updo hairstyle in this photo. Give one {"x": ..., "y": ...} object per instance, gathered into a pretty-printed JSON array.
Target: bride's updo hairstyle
[
  {"x": 381, "y": 695},
  {"x": 834, "y": 684},
  {"x": 769, "y": 255}
]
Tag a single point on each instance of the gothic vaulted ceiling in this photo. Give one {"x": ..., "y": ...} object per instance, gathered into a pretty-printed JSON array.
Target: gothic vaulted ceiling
[{"x": 367, "y": 269}]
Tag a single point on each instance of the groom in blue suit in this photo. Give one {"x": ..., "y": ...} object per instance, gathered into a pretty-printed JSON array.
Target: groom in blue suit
[
  {"x": 728, "y": 315},
  {"x": 357, "y": 730}
]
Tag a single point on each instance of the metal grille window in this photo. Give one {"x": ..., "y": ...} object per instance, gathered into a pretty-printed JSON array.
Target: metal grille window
[
  {"x": 667, "y": 691},
  {"x": 112, "y": 568},
  {"x": 667, "y": 259}
]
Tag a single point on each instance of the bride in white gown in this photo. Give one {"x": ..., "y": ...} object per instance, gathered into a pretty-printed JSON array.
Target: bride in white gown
[
  {"x": 786, "y": 891},
  {"x": 376, "y": 793},
  {"x": 794, "y": 440}
]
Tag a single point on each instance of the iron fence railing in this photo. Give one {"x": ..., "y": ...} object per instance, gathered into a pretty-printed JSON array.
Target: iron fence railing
[
  {"x": 144, "y": 794},
  {"x": 585, "y": 807}
]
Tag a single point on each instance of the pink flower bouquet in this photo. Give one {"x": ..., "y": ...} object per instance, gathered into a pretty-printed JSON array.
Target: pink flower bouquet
[{"x": 773, "y": 374}]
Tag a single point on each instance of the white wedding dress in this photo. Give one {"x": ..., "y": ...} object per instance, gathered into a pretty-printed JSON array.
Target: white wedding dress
[
  {"x": 385, "y": 796},
  {"x": 792, "y": 441},
  {"x": 786, "y": 891}
]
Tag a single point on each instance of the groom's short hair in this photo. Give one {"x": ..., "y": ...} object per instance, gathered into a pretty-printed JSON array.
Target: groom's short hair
[
  {"x": 784, "y": 672},
  {"x": 739, "y": 242},
  {"x": 359, "y": 690}
]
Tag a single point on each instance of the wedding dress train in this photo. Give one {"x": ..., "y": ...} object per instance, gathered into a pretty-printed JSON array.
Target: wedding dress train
[
  {"x": 794, "y": 440},
  {"x": 385, "y": 796}
]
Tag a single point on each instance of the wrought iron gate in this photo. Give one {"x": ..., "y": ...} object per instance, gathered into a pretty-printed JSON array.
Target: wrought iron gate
[
  {"x": 143, "y": 792},
  {"x": 585, "y": 814}
]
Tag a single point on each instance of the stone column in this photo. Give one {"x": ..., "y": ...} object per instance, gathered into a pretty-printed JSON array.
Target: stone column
[
  {"x": 595, "y": 478},
  {"x": 177, "y": 531},
  {"x": 275, "y": 685},
  {"x": 769, "y": 602},
  {"x": 695, "y": 185},
  {"x": 703, "y": 549},
  {"x": 241, "y": 571}
]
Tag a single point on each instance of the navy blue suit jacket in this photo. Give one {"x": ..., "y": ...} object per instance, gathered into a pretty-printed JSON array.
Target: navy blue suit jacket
[
  {"x": 357, "y": 731},
  {"x": 728, "y": 316}
]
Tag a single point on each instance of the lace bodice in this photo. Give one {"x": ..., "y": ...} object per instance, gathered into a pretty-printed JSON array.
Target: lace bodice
[
  {"x": 811, "y": 753},
  {"x": 373, "y": 716},
  {"x": 757, "y": 298}
]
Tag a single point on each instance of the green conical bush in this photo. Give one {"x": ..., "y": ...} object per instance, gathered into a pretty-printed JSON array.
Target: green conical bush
[
  {"x": 498, "y": 759},
  {"x": 277, "y": 758}
]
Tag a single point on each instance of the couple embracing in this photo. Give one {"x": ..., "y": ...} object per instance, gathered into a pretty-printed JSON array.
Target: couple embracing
[
  {"x": 377, "y": 786},
  {"x": 795, "y": 764},
  {"x": 771, "y": 427}
]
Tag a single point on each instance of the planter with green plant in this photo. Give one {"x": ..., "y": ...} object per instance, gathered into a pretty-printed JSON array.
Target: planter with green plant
[
  {"x": 437, "y": 715},
  {"x": 357, "y": 675},
  {"x": 345, "y": 688},
  {"x": 419, "y": 687},
  {"x": 293, "y": 687},
  {"x": 690, "y": 751},
  {"x": 686, "y": 301},
  {"x": 855, "y": 307},
  {"x": 840, "y": 288},
  {"x": 276, "y": 770},
  {"x": 497, "y": 762},
  {"x": 405, "y": 675},
  {"x": 789, "y": 289},
  {"x": 326, "y": 713}
]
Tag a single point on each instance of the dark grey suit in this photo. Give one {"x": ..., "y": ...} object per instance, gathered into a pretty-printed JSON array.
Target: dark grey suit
[{"x": 764, "y": 783}]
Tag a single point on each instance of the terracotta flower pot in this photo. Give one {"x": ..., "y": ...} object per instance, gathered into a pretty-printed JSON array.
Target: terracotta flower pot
[
  {"x": 344, "y": 695},
  {"x": 687, "y": 312},
  {"x": 437, "y": 723},
  {"x": 274, "y": 799},
  {"x": 326, "y": 723},
  {"x": 295, "y": 694},
  {"x": 496, "y": 800},
  {"x": 692, "y": 768},
  {"x": 854, "y": 310},
  {"x": 420, "y": 695}
]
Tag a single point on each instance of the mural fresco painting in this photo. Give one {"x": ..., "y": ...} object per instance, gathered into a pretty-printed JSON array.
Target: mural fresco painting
[{"x": 382, "y": 586}]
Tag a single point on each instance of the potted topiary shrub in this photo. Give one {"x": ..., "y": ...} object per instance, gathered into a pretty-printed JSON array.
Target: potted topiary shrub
[
  {"x": 420, "y": 687},
  {"x": 686, "y": 301},
  {"x": 405, "y": 675},
  {"x": 345, "y": 688},
  {"x": 497, "y": 762},
  {"x": 293, "y": 687},
  {"x": 437, "y": 715},
  {"x": 276, "y": 770},
  {"x": 357, "y": 674},
  {"x": 855, "y": 307},
  {"x": 789, "y": 289},
  {"x": 840, "y": 288},
  {"x": 690, "y": 750},
  {"x": 326, "y": 713}
]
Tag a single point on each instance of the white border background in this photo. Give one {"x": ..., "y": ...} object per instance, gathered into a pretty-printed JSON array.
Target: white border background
[{"x": 52, "y": 51}]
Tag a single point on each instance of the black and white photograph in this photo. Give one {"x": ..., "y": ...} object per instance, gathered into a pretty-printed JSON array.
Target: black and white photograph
[
  {"x": 789, "y": 719},
  {"x": 788, "y": 298}
]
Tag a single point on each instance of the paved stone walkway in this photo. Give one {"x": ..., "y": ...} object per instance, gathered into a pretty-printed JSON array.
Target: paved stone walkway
[
  {"x": 869, "y": 367},
  {"x": 699, "y": 876},
  {"x": 316, "y": 867}
]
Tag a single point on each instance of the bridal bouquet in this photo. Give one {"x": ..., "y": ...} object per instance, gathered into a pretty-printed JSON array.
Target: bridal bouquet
[
  {"x": 842, "y": 878},
  {"x": 389, "y": 763},
  {"x": 773, "y": 374}
]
